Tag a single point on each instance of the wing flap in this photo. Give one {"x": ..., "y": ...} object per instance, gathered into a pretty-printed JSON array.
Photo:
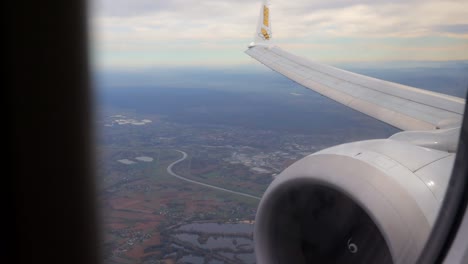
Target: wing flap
[{"x": 404, "y": 107}]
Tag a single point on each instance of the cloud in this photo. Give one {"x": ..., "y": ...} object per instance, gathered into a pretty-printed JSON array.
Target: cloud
[
  {"x": 134, "y": 8},
  {"x": 461, "y": 29},
  {"x": 139, "y": 26},
  {"x": 380, "y": 19}
]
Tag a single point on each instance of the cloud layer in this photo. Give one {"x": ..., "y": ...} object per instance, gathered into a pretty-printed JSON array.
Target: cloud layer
[{"x": 190, "y": 32}]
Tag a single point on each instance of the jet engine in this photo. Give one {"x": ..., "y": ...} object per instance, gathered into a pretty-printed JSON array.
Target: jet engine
[{"x": 372, "y": 201}]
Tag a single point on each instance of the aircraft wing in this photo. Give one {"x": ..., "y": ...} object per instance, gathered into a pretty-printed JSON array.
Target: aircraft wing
[
  {"x": 404, "y": 107},
  {"x": 386, "y": 193}
]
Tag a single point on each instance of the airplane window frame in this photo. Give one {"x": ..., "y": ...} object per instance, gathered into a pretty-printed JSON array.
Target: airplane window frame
[{"x": 40, "y": 91}]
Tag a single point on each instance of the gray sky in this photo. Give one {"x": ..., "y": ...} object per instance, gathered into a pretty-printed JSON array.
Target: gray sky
[{"x": 142, "y": 33}]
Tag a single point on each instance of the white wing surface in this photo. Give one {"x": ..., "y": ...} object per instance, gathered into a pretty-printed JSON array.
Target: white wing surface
[{"x": 402, "y": 106}]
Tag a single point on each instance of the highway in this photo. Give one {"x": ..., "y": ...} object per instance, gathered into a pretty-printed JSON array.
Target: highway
[{"x": 184, "y": 156}]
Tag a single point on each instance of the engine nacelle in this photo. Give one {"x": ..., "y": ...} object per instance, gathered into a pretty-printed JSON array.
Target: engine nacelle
[{"x": 365, "y": 202}]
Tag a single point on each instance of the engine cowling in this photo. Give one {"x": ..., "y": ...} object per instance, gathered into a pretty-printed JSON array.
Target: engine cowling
[{"x": 364, "y": 202}]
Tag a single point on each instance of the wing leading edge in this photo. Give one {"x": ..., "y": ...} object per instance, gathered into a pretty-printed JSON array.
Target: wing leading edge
[{"x": 404, "y": 107}]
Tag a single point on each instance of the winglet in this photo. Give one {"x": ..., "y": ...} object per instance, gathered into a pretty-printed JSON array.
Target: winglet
[{"x": 263, "y": 33}]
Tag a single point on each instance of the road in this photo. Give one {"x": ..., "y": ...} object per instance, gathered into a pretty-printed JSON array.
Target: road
[{"x": 171, "y": 172}]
